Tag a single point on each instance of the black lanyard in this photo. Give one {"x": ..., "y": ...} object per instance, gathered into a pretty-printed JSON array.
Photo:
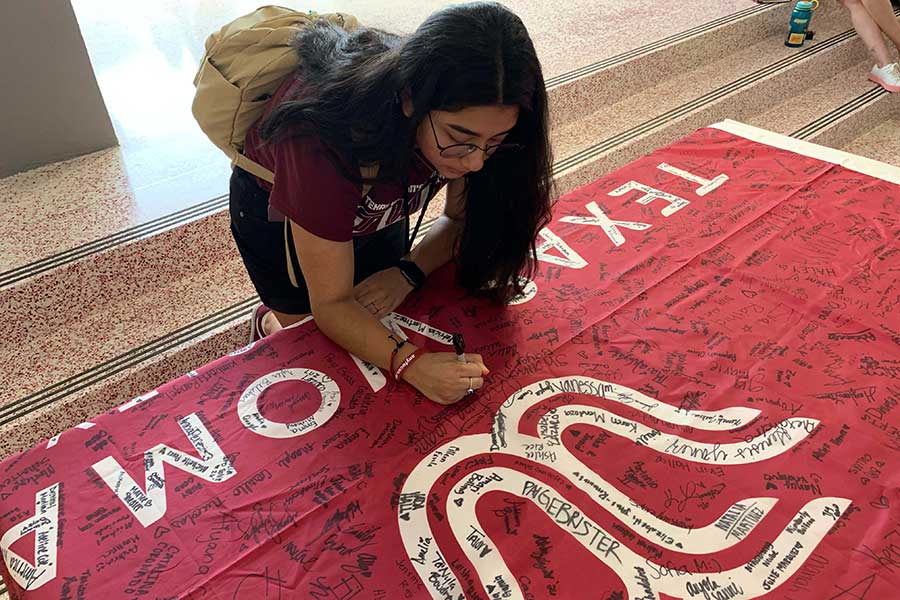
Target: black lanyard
[{"x": 411, "y": 238}]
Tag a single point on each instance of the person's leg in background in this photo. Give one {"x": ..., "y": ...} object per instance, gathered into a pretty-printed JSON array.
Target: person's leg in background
[
  {"x": 868, "y": 31},
  {"x": 883, "y": 14},
  {"x": 886, "y": 72}
]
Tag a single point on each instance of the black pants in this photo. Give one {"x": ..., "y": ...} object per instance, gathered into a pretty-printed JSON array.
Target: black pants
[{"x": 261, "y": 244}]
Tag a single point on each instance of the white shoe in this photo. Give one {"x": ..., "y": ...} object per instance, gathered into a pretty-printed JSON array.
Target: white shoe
[{"x": 887, "y": 77}]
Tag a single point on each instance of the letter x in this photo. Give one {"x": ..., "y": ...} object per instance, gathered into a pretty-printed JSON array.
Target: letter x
[{"x": 609, "y": 227}]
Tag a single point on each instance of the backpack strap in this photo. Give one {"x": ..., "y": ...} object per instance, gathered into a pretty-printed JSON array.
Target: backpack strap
[{"x": 253, "y": 167}]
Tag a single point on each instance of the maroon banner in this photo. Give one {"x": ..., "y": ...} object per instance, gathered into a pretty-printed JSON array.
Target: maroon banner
[{"x": 695, "y": 399}]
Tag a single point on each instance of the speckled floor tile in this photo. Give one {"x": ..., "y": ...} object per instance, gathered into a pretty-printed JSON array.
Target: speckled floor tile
[
  {"x": 796, "y": 110},
  {"x": 63, "y": 205},
  {"x": 63, "y": 196},
  {"x": 601, "y": 121},
  {"x": 591, "y": 86},
  {"x": 114, "y": 301},
  {"x": 40, "y": 423},
  {"x": 879, "y": 143}
]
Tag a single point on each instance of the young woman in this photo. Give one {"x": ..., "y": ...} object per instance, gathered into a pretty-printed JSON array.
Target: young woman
[
  {"x": 369, "y": 129},
  {"x": 873, "y": 19}
]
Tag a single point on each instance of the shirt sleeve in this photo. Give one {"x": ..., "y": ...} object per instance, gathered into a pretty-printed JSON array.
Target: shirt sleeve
[{"x": 311, "y": 191}]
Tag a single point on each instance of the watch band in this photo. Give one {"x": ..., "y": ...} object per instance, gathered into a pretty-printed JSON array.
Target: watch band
[{"x": 412, "y": 273}]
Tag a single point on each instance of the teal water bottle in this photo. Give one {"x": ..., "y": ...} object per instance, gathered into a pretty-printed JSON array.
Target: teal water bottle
[{"x": 800, "y": 20}]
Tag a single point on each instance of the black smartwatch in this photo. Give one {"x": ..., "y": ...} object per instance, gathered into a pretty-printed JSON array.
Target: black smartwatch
[{"x": 412, "y": 273}]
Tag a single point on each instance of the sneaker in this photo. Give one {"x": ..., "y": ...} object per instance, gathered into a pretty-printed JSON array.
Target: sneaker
[
  {"x": 257, "y": 332},
  {"x": 887, "y": 77}
]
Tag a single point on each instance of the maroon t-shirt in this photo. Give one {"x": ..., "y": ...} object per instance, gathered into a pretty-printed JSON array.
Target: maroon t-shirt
[{"x": 310, "y": 190}]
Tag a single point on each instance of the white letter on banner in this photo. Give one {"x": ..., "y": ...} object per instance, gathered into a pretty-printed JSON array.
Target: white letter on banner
[
  {"x": 676, "y": 203},
  {"x": 609, "y": 227},
  {"x": 569, "y": 257},
  {"x": 45, "y": 525},
  {"x": 370, "y": 372},
  {"x": 706, "y": 185},
  {"x": 248, "y": 408},
  {"x": 150, "y": 505}
]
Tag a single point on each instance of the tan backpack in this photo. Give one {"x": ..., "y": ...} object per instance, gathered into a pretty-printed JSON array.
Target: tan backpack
[{"x": 244, "y": 64}]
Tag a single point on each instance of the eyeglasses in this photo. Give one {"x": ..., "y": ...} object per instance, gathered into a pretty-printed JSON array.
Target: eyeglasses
[{"x": 461, "y": 150}]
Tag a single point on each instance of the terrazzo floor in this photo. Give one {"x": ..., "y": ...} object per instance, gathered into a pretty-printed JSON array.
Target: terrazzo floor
[{"x": 879, "y": 143}]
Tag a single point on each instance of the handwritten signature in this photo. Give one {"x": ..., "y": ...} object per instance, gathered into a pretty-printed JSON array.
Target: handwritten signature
[{"x": 692, "y": 491}]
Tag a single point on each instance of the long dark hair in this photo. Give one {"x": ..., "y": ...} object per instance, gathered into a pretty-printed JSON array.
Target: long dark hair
[{"x": 474, "y": 54}]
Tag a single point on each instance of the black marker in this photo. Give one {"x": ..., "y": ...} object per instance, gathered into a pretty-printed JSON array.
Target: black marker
[{"x": 460, "y": 347}]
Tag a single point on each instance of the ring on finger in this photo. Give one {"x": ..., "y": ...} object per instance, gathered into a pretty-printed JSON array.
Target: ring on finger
[{"x": 470, "y": 390}]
